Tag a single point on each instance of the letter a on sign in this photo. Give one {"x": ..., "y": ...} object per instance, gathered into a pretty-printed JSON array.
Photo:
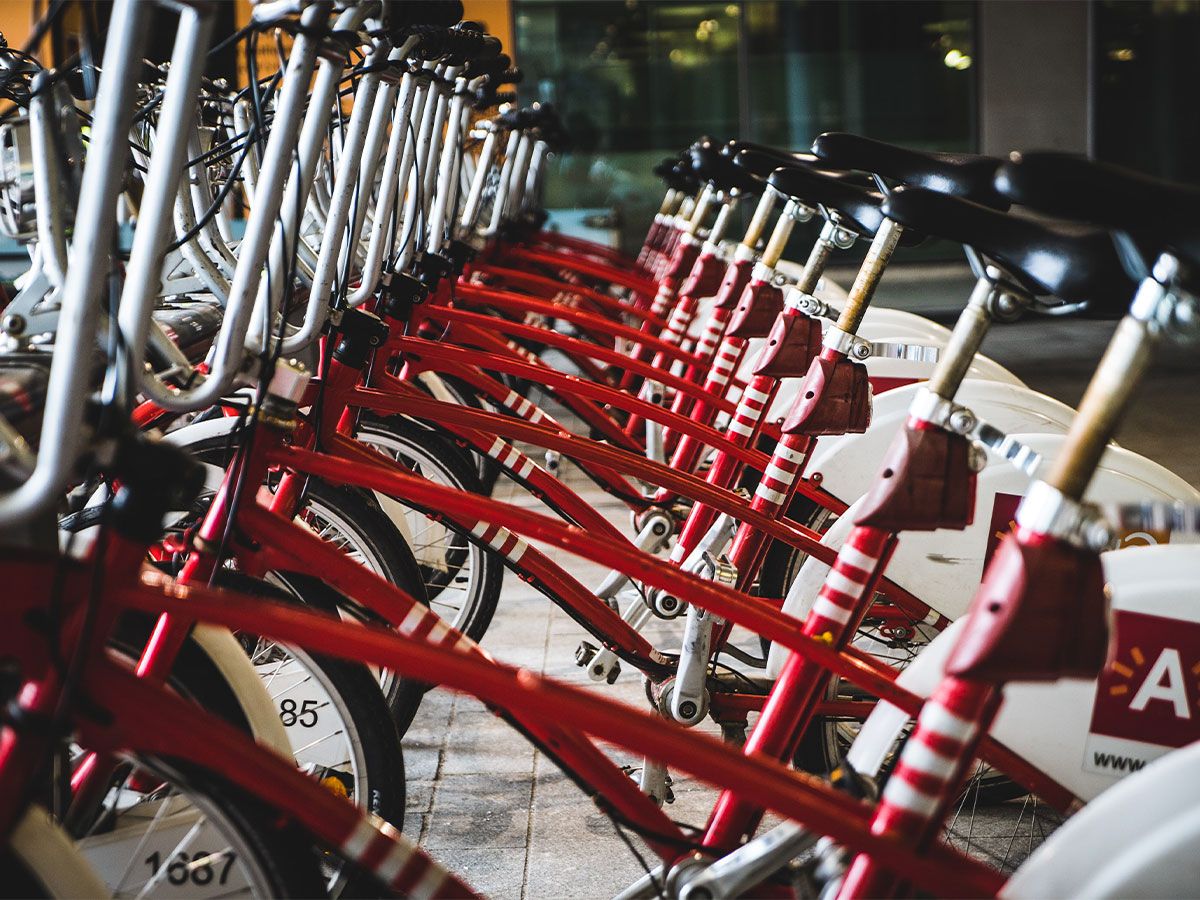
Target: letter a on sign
[
  {"x": 1165, "y": 682},
  {"x": 1146, "y": 697}
]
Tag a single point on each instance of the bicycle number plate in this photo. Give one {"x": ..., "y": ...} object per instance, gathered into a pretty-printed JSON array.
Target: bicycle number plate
[
  {"x": 164, "y": 848},
  {"x": 313, "y": 725}
]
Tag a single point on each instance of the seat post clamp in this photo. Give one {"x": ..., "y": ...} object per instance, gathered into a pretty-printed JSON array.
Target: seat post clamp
[
  {"x": 805, "y": 303},
  {"x": 929, "y": 407},
  {"x": 744, "y": 254},
  {"x": 1046, "y": 510},
  {"x": 849, "y": 345},
  {"x": 762, "y": 272}
]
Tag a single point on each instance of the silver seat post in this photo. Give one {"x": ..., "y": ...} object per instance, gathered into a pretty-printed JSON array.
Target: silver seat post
[
  {"x": 228, "y": 352},
  {"x": 67, "y": 387}
]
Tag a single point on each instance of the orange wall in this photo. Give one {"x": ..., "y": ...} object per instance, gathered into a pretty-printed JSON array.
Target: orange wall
[
  {"x": 496, "y": 16},
  {"x": 16, "y": 19}
]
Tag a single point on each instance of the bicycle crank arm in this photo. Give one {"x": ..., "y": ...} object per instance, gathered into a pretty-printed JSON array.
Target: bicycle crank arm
[{"x": 743, "y": 869}]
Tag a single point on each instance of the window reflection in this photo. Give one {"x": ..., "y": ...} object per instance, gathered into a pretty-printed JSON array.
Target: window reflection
[
  {"x": 636, "y": 80},
  {"x": 1147, "y": 80}
]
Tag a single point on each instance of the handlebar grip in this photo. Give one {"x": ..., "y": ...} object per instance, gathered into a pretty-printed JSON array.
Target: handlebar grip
[{"x": 492, "y": 66}]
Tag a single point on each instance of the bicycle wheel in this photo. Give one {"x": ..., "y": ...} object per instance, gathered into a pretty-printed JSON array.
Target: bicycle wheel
[
  {"x": 346, "y": 517},
  {"x": 190, "y": 833},
  {"x": 339, "y": 727},
  {"x": 462, "y": 579},
  {"x": 351, "y": 520}
]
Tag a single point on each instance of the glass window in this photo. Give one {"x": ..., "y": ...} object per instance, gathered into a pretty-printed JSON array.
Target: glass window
[
  {"x": 637, "y": 80},
  {"x": 1147, "y": 86}
]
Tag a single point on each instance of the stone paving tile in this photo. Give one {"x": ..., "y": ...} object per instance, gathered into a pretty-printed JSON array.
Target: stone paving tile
[
  {"x": 418, "y": 796},
  {"x": 490, "y": 871},
  {"x": 481, "y": 810},
  {"x": 483, "y": 742}
]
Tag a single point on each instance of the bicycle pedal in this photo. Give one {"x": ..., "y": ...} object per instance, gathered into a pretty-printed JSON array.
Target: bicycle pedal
[
  {"x": 613, "y": 673},
  {"x": 847, "y": 780},
  {"x": 585, "y": 653}
]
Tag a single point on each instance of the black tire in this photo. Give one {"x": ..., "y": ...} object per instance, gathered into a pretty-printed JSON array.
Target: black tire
[
  {"x": 284, "y": 849},
  {"x": 391, "y": 557},
  {"x": 358, "y": 690},
  {"x": 196, "y": 678},
  {"x": 402, "y": 696},
  {"x": 193, "y": 675},
  {"x": 486, "y": 468},
  {"x": 393, "y": 560},
  {"x": 433, "y": 454},
  {"x": 17, "y": 880}
]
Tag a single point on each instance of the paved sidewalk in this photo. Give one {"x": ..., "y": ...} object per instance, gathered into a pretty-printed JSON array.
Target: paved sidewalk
[
  {"x": 503, "y": 816},
  {"x": 501, "y": 813}
]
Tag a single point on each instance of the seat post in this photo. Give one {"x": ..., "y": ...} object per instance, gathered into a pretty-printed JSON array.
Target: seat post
[{"x": 869, "y": 274}]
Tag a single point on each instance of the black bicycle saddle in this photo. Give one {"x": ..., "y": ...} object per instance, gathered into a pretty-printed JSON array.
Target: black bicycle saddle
[
  {"x": 1073, "y": 262},
  {"x": 1161, "y": 215},
  {"x": 709, "y": 164},
  {"x": 760, "y": 160},
  {"x": 965, "y": 175},
  {"x": 676, "y": 175},
  {"x": 853, "y": 205}
]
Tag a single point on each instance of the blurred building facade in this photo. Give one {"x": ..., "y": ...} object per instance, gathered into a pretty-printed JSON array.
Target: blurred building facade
[{"x": 637, "y": 79}]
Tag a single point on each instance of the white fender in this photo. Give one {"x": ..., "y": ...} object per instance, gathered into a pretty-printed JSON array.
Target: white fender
[
  {"x": 944, "y": 567},
  {"x": 50, "y": 855},
  {"x": 1051, "y": 725},
  {"x": 194, "y": 432},
  {"x": 1138, "y": 840}
]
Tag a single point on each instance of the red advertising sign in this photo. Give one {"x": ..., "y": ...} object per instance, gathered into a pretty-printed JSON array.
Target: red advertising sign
[
  {"x": 1148, "y": 698},
  {"x": 1151, "y": 689},
  {"x": 1004, "y": 515}
]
